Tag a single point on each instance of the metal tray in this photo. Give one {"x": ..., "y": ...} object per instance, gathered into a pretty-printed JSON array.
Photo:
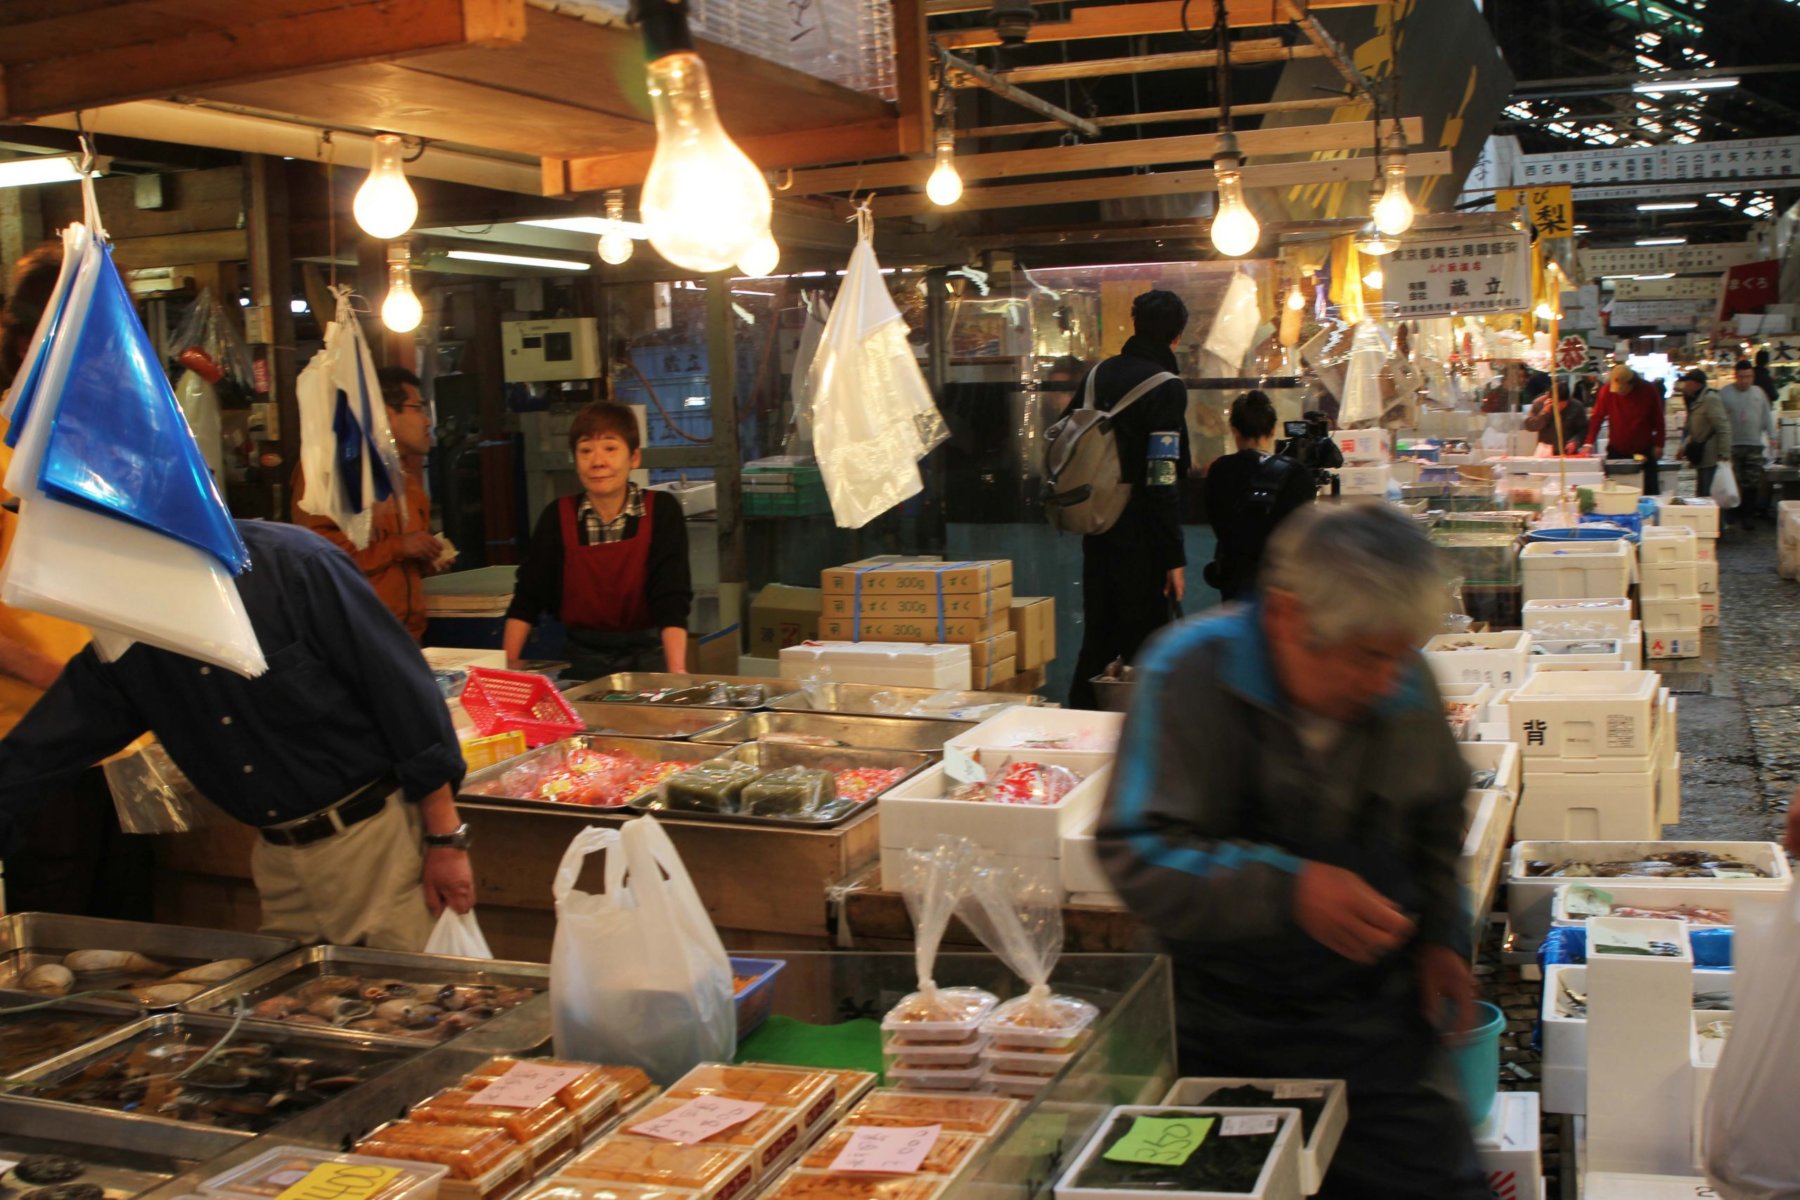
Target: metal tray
[
  {"x": 30, "y": 1038},
  {"x": 646, "y": 681},
  {"x": 773, "y": 755},
  {"x": 335, "y": 1052},
  {"x": 648, "y": 748},
  {"x": 30, "y": 939},
  {"x": 666, "y": 722},
  {"x": 867, "y": 733},
  {"x": 124, "y": 1155},
  {"x": 872, "y": 700},
  {"x": 292, "y": 970}
]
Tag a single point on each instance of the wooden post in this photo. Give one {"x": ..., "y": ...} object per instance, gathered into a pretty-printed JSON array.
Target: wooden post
[
  {"x": 721, "y": 363},
  {"x": 271, "y": 289}
]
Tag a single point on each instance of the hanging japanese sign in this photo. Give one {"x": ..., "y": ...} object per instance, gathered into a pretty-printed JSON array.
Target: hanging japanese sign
[
  {"x": 1656, "y": 260},
  {"x": 1748, "y": 288},
  {"x": 1698, "y": 287},
  {"x": 1784, "y": 351},
  {"x": 1662, "y": 313},
  {"x": 1748, "y": 158},
  {"x": 1551, "y": 210},
  {"x": 1441, "y": 277}
]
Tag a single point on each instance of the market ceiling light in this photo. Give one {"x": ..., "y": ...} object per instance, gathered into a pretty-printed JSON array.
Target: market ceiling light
[
  {"x": 945, "y": 187},
  {"x": 385, "y": 206},
  {"x": 1662, "y": 241},
  {"x": 1393, "y": 212},
  {"x": 1235, "y": 231},
  {"x": 1710, "y": 83},
  {"x": 519, "y": 260},
  {"x": 1373, "y": 279},
  {"x": 401, "y": 311},
  {"x": 1371, "y": 240},
  {"x": 597, "y": 226},
  {"x": 62, "y": 168},
  {"x": 705, "y": 202},
  {"x": 1664, "y": 275},
  {"x": 760, "y": 261},
  {"x": 1296, "y": 298},
  {"x": 615, "y": 243},
  {"x": 1669, "y": 206}
]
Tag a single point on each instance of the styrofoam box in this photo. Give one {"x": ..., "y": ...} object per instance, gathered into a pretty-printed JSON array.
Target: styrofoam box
[
  {"x": 1564, "y": 1039},
  {"x": 1600, "y": 617},
  {"x": 1362, "y": 446},
  {"x": 1611, "y": 806},
  {"x": 1668, "y": 581},
  {"x": 1280, "y": 1178},
  {"x": 1529, "y": 899},
  {"x": 1328, "y": 1130},
  {"x": 1484, "y": 841},
  {"x": 1668, "y": 792},
  {"x": 1508, "y": 1146},
  {"x": 1478, "y": 694},
  {"x": 1576, "y": 570},
  {"x": 1499, "y": 659},
  {"x": 1585, "y": 714},
  {"x": 1611, "y": 1185},
  {"x": 919, "y": 811},
  {"x": 1709, "y": 611},
  {"x": 1674, "y": 612},
  {"x": 1647, "y": 897},
  {"x": 1704, "y": 1054},
  {"x": 1667, "y": 544},
  {"x": 1046, "y": 869},
  {"x": 1364, "y": 481},
  {"x": 1500, "y": 757},
  {"x": 1081, "y": 869},
  {"x": 1706, "y": 550},
  {"x": 1031, "y": 727},
  {"x": 1559, "y": 655},
  {"x": 887, "y": 664},
  {"x": 1673, "y": 643},
  {"x": 1699, "y": 515},
  {"x": 1707, "y": 571}
]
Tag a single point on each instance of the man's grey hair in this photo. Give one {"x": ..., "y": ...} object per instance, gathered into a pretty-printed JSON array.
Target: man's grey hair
[{"x": 1357, "y": 570}]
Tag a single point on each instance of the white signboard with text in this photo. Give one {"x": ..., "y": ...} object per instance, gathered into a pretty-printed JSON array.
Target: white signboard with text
[{"x": 1439, "y": 277}]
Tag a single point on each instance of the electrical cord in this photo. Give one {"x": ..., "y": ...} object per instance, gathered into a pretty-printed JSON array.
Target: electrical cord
[{"x": 650, "y": 390}]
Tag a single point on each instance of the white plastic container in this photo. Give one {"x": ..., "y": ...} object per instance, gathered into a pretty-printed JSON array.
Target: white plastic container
[
  {"x": 1667, "y": 544},
  {"x": 1502, "y": 758},
  {"x": 1668, "y": 581},
  {"x": 1621, "y": 1185},
  {"x": 1707, "y": 574},
  {"x": 1483, "y": 853},
  {"x": 1673, "y": 643},
  {"x": 1529, "y": 898},
  {"x": 884, "y": 664},
  {"x": 1641, "y": 898},
  {"x": 1364, "y": 481},
  {"x": 1601, "y": 654},
  {"x": 1509, "y": 1146},
  {"x": 1668, "y": 792},
  {"x": 1709, "y": 610},
  {"x": 272, "y": 1173},
  {"x": 1279, "y": 1180},
  {"x": 1029, "y": 727},
  {"x": 1699, "y": 514},
  {"x": 918, "y": 812},
  {"x": 1577, "y": 570},
  {"x": 1616, "y": 499},
  {"x": 1363, "y": 446},
  {"x": 1640, "y": 1094},
  {"x": 1601, "y": 805},
  {"x": 1663, "y": 614},
  {"x": 1598, "y": 617},
  {"x": 1496, "y": 659},
  {"x": 1328, "y": 1130},
  {"x": 1703, "y": 1056},
  {"x": 1585, "y": 714}
]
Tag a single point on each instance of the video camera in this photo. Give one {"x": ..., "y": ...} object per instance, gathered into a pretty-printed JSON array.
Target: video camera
[{"x": 1309, "y": 444}]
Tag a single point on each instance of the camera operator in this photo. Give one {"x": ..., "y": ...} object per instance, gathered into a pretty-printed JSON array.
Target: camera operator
[{"x": 1248, "y": 493}]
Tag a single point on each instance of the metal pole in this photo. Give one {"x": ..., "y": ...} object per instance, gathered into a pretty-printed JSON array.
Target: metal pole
[{"x": 1019, "y": 96}]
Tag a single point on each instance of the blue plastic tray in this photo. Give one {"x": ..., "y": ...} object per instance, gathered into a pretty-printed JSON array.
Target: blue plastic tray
[{"x": 756, "y": 1002}]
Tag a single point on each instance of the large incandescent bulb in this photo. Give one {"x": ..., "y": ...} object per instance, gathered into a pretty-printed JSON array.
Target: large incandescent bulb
[
  {"x": 704, "y": 201},
  {"x": 385, "y": 206}
]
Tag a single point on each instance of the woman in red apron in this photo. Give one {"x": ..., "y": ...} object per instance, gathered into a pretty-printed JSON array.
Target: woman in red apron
[{"x": 611, "y": 562}]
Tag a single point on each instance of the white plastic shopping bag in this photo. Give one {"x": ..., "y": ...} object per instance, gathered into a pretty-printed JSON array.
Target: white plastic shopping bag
[
  {"x": 1751, "y": 1150},
  {"x": 1725, "y": 487},
  {"x": 458, "y": 935},
  {"x": 638, "y": 975},
  {"x": 347, "y": 451}
]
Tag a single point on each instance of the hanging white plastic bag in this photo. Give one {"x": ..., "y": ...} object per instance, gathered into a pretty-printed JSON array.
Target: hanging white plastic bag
[
  {"x": 638, "y": 975},
  {"x": 932, "y": 882},
  {"x": 347, "y": 452},
  {"x": 1751, "y": 1151},
  {"x": 1234, "y": 327},
  {"x": 1363, "y": 400},
  {"x": 1725, "y": 487},
  {"x": 800, "y": 426},
  {"x": 458, "y": 935},
  {"x": 873, "y": 416},
  {"x": 1016, "y": 911}
]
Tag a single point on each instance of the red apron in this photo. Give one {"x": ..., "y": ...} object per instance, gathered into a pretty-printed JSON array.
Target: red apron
[{"x": 604, "y": 587}]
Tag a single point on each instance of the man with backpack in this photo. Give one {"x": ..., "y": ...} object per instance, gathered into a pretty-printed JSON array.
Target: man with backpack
[
  {"x": 1115, "y": 464},
  {"x": 1247, "y": 495}
]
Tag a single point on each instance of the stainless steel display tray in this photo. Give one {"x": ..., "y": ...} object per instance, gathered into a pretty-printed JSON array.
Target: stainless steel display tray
[
  {"x": 310, "y": 962},
  {"x": 651, "y": 749},
  {"x": 31, "y": 939},
  {"x": 336, "y": 1053},
  {"x": 123, "y": 1154},
  {"x": 773, "y": 755},
  {"x": 872, "y": 700},
  {"x": 649, "y": 681},
  {"x": 25, "y": 1036},
  {"x": 666, "y": 722},
  {"x": 867, "y": 733}
]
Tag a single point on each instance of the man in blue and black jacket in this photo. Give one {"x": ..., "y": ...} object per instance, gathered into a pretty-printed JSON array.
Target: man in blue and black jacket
[{"x": 1286, "y": 815}]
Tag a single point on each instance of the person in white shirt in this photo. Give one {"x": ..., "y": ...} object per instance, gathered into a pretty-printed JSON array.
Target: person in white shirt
[{"x": 1753, "y": 437}]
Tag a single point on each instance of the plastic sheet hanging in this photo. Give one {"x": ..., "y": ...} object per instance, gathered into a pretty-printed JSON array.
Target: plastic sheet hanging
[
  {"x": 114, "y": 489},
  {"x": 1235, "y": 324},
  {"x": 1364, "y": 395},
  {"x": 873, "y": 415},
  {"x": 799, "y": 440},
  {"x": 214, "y": 365},
  {"x": 152, "y": 795}
]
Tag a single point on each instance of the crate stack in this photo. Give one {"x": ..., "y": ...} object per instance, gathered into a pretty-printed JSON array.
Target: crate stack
[
  {"x": 1669, "y": 591},
  {"x": 940, "y": 603},
  {"x": 1597, "y": 750},
  {"x": 1701, "y": 516},
  {"x": 1366, "y": 470}
]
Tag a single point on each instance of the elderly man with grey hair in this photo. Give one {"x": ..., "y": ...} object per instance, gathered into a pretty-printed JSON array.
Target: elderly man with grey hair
[{"x": 1286, "y": 816}]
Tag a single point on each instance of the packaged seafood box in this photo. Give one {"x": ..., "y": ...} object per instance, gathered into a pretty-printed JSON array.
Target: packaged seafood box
[
  {"x": 320, "y": 1174},
  {"x": 43, "y": 955},
  {"x": 594, "y": 1094},
  {"x": 811, "y": 1094},
  {"x": 1493, "y": 765},
  {"x": 1322, "y": 1104},
  {"x": 482, "y": 1162},
  {"x": 770, "y": 1136},
  {"x": 1247, "y": 1153},
  {"x": 1740, "y": 875},
  {"x": 948, "y": 1155},
  {"x": 1042, "y": 728},
  {"x": 984, "y": 1116},
  {"x": 1580, "y": 618},
  {"x": 1563, "y": 1026},
  {"x": 997, "y": 799},
  {"x": 1496, "y": 659},
  {"x": 827, "y": 1185},
  {"x": 707, "y": 1172}
]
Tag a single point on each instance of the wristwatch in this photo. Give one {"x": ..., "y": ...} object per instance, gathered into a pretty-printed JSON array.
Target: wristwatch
[{"x": 456, "y": 839}]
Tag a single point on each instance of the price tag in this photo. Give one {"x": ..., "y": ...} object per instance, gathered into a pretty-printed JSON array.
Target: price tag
[
  {"x": 961, "y": 766},
  {"x": 1161, "y": 1141},
  {"x": 528, "y": 1085},
  {"x": 341, "y": 1181},
  {"x": 1299, "y": 1091},
  {"x": 699, "y": 1119},
  {"x": 887, "y": 1151},
  {"x": 1249, "y": 1126},
  {"x": 1620, "y": 941},
  {"x": 1584, "y": 901}
]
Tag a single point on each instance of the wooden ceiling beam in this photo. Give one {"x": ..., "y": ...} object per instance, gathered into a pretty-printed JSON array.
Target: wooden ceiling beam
[
  {"x": 774, "y": 152},
  {"x": 1130, "y": 20},
  {"x": 1167, "y": 116},
  {"x": 1101, "y": 156},
  {"x": 1262, "y": 50}
]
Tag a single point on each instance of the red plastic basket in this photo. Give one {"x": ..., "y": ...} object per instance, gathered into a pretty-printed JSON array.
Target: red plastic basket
[{"x": 501, "y": 701}]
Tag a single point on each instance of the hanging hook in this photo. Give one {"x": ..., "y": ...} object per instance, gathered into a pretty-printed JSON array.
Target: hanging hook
[{"x": 787, "y": 181}]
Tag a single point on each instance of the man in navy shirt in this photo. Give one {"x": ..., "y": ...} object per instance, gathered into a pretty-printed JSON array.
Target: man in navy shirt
[{"x": 342, "y": 754}]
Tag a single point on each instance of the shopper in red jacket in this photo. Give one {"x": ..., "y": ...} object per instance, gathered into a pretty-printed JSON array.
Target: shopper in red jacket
[{"x": 1634, "y": 408}]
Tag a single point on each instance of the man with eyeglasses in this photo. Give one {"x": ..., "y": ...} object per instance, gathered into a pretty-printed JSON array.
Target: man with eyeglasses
[{"x": 401, "y": 550}]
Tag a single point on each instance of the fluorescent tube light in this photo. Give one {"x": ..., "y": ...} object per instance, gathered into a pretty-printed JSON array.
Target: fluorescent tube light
[
  {"x": 26, "y": 172},
  {"x": 519, "y": 260},
  {"x": 1662, "y": 241},
  {"x": 1710, "y": 83}
]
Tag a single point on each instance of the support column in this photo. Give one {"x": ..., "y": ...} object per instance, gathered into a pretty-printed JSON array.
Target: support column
[{"x": 271, "y": 331}]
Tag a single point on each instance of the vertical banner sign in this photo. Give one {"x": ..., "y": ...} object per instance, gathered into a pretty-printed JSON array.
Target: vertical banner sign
[
  {"x": 1551, "y": 210},
  {"x": 1441, "y": 277},
  {"x": 1748, "y": 287}
]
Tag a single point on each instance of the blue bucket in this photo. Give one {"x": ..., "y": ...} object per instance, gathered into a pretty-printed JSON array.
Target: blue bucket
[{"x": 1475, "y": 1057}]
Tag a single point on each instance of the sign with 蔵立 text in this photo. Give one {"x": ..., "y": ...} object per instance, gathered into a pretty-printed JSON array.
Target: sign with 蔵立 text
[{"x": 1441, "y": 277}]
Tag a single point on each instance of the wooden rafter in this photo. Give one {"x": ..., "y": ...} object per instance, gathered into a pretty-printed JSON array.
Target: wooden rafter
[
  {"x": 1163, "y": 117},
  {"x": 1260, "y": 50},
  {"x": 1148, "y": 17}
]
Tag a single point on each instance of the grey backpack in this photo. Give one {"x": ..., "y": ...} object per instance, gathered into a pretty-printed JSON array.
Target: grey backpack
[{"x": 1084, "y": 491}]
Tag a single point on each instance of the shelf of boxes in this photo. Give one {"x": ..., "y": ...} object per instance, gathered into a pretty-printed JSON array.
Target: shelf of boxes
[
  {"x": 1530, "y": 899},
  {"x": 1576, "y": 570}
]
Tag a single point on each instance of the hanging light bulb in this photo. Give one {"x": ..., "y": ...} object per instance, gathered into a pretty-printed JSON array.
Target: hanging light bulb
[
  {"x": 1372, "y": 241},
  {"x": 1373, "y": 279},
  {"x": 760, "y": 261},
  {"x": 1235, "y": 230},
  {"x": 704, "y": 201},
  {"x": 1296, "y": 298},
  {"x": 385, "y": 206},
  {"x": 401, "y": 311},
  {"x": 945, "y": 187},
  {"x": 1393, "y": 213},
  {"x": 615, "y": 244},
  {"x": 1544, "y": 312}
]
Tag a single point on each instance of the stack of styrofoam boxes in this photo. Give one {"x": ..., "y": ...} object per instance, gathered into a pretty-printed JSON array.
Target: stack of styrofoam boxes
[
  {"x": 1366, "y": 453},
  {"x": 1595, "y": 570},
  {"x": 1591, "y": 746},
  {"x": 1500, "y": 660},
  {"x": 1640, "y": 1030},
  {"x": 1488, "y": 815},
  {"x": 1606, "y": 619},
  {"x": 1508, "y": 1147},
  {"x": 1669, "y": 591},
  {"x": 1701, "y": 516},
  {"x": 917, "y": 813}
]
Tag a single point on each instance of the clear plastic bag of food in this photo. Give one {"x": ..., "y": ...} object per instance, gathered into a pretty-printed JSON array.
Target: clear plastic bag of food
[
  {"x": 152, "y": 795},
  {"x": 932, "y": 882},
  {"x": 716, "y": 786},
  {"x": 1016, "y": 911},
  {"x": 789, "y": 792},
  {"x": 1028, "y": 783}
]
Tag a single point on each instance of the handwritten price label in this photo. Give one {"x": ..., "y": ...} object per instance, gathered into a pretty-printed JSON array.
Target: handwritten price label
[
  {"x": 341, "y": 1181},
  {"x": 528, "y": 1085},
  {"x": 1161, "y": 1141},
  {"x": 887, "y": 1151},
  {"x": 699, "y": 1119}
]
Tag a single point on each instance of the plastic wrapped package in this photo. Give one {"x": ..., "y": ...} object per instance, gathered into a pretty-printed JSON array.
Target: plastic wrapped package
[
  {"x": 486, "y": 1157},
  {"x": 812, "y": 1093},
  {"x": 592, "y": 1097},
  {"x": 714, "y": 786},
  {"x": 937, "y": 1055},
  {"x": 982, "y": 1115},
  {"x": 547, "y": 1129},
  {"x": 770, "y": 1135},
  {"x": 932, "y": 881},
  {"x": 568, "y": 1187},
  {"x": 947, "y": 1156},
  {"x": 1235, "y": 324},
  {"x": 1027, "y": 783},
  {"x": 152, "y": 795},
  {"x": 863, "y": 783},
  {"x": 1017, "y": 914},
  {"x": 269, "y": 1175},
  {"x": 1363, "y": 399},
  {"x": 708, "y": 1170},
  {"x": 823, "y": 1185},
  {"x": 789, "y": 792}
]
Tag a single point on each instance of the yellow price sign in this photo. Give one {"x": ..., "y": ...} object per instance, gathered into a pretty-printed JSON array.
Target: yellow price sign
[
  {"x": 1551, "y": 210},
  {"x": 342, "y": 1181}
]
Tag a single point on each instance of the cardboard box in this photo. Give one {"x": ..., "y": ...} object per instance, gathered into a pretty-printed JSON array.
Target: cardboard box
[
  {"x": 998, "y": 671},
  {"x": 715, "y": 653},
  {"x": 919, "y": 605},
  {"x": 884, "y": 664},
  {"x": 1034, "y": 620},
  {"x": 951, "y": 630},
  {"x": 783, "y": 616},
  {"x": 872, "y": 577},
  {"x": 1002, "y": 645},
  {"x": 1363, "y": 481}
]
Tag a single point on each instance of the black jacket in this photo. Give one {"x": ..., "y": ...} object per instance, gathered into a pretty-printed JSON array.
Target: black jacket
[
  {"x": 1241, "y": 538},
  {"x": 1164, "y": 410}
]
